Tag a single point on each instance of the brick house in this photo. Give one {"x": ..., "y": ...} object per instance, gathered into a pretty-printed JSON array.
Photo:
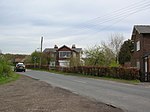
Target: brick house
[
  {"x": 62, "y": 56},
  {"x": 141, "y": 54}
]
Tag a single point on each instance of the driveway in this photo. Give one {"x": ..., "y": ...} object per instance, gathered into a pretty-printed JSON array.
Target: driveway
[{"x": 132, "y": 98}]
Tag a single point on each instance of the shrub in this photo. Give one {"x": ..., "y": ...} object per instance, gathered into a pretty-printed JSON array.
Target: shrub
[
  {"x": 113, "y": 72},
  {"x": 5, "y": 69}
]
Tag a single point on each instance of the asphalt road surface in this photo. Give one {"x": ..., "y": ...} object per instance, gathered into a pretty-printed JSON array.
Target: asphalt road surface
[{"x": 130, "y": 98}]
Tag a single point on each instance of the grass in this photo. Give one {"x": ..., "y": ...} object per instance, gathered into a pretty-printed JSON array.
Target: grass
[
  {"x": 6, "y": 73},
  {"x": 13, "y": 77}
]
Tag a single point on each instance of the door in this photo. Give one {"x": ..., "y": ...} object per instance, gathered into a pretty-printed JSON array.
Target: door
[{"x": 146, "y": 68}]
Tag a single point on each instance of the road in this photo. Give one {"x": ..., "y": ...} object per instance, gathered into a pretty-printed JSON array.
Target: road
[{"x": 130, "y": 98}]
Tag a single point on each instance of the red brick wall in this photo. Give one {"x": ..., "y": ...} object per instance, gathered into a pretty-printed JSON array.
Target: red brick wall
[
  {"x": 136, "y": 55},
  {"x": 144, "y": 48},
  {"x": 146, "y": 43}
]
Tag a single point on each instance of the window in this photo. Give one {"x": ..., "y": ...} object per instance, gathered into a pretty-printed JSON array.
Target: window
[
  {"x": 64, "y": 63},
  {"x": 138, "y": 64},
  {"x": 64, "y": 54},
  {"x": 52, "y": 64},
  {"x": 137, "y": 45}
]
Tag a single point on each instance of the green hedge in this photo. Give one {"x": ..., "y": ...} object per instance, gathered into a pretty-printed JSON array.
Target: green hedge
[
  {"x": 5, "y": 69},
  {"x": 114, "y": 72}
]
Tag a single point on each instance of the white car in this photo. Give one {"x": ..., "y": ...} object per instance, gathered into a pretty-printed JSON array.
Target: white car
[{"x": 20, "y": 67}]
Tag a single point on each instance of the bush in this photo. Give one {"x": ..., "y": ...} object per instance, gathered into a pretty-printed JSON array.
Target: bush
[
  {"x": 112, "y": 72},
  {"x": 5, "y": 69}
]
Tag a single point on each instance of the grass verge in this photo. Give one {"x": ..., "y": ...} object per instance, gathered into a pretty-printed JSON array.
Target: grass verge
[{"x": 13, "y": 77}]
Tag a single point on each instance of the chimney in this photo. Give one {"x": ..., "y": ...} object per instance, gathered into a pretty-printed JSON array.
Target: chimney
[
  {"x": 55, "y": 47},
  {"x": 73, "y": 46}
]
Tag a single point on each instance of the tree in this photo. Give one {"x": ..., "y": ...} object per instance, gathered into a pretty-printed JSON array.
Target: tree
[
  {"x": 75, "y": 61},
  {"x": 125, "y": 51},
  {"x": 116, "y": 41},
  {"x": 94, "y": 56},
  {"x": 28, "y": 59},
  {"x": 108, "y": 54},
  {"x": 35, "y": 58}
]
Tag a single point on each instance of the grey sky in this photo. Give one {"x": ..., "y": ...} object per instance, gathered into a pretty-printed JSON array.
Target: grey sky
[{"x": 81, "y": 22}]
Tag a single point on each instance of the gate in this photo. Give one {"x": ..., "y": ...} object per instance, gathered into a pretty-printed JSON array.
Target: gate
[{"x": 145, "y": 77}]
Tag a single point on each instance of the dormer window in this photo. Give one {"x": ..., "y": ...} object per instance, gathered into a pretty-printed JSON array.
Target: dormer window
[{"x": 137, "y": 45}]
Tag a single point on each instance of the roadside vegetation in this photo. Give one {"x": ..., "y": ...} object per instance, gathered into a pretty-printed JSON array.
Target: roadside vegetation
[
  {"x": 105, "y": 54},
  {"x": 135, "y": 81},
  {"x": 6, "y": 73}
]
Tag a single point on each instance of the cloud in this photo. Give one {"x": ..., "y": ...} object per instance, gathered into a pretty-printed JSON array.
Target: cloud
[{"x": 81, "y": 22}]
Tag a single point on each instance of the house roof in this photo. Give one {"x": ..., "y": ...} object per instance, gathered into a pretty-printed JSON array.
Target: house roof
[
  {"x": 142, "y": 28},
  {"x": 77, "y": 49},
  {"x": 19, "y": 60},
  {"x": 46, "y": 50},
  {"x": 64, "y": 46}
]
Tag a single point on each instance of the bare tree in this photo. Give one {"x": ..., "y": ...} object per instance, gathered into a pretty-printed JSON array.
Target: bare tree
[
  {"x": 108, "y": 54},
  {"x": 116, "y": 41},
  {"x": 105, "y": 54},
  {"x": 112, "y": 47}
]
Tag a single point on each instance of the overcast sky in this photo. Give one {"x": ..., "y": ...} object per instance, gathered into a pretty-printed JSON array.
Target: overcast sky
[{"x": 65, "y": 22}]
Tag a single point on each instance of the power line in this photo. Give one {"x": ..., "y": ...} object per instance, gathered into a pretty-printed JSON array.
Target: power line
[
  {"x": 118, "y": 15},
  {"x": 133, "y": 5},
  {"x": 124, "y": 17},
  {"x": 114, "y": 16}
]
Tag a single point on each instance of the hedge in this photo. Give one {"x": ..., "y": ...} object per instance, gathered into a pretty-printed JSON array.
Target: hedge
[
  {"x": 5, "y": 69},
  {"x": 114, "y": 72},
  {"x": 31, "y": 66}
]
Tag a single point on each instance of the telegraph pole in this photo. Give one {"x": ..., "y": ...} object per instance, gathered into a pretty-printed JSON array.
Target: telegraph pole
[{"x": 41, "y": 52}]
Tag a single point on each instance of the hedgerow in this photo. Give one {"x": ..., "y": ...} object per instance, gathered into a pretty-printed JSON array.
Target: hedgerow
[
  {"x": 5, "y": 69},
  {"x": 112, "y": 72}
]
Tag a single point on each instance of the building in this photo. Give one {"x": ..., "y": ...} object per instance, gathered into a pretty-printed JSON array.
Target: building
[
  {"x": 141, "y": 53},
  {"x": 64, "y": 56}
]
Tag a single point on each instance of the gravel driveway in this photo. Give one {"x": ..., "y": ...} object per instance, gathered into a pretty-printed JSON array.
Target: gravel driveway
[{"x": 30, "y": 95}]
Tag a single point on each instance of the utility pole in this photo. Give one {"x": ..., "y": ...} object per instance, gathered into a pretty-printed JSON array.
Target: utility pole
[{"x": 41, "y": 52}]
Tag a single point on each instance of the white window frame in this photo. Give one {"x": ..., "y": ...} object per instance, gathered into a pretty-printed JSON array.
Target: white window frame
[
  {"x": 64, "y": 63},
  {"x": 137, "y": 45},
  {"x": 66, "y": 56}
]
